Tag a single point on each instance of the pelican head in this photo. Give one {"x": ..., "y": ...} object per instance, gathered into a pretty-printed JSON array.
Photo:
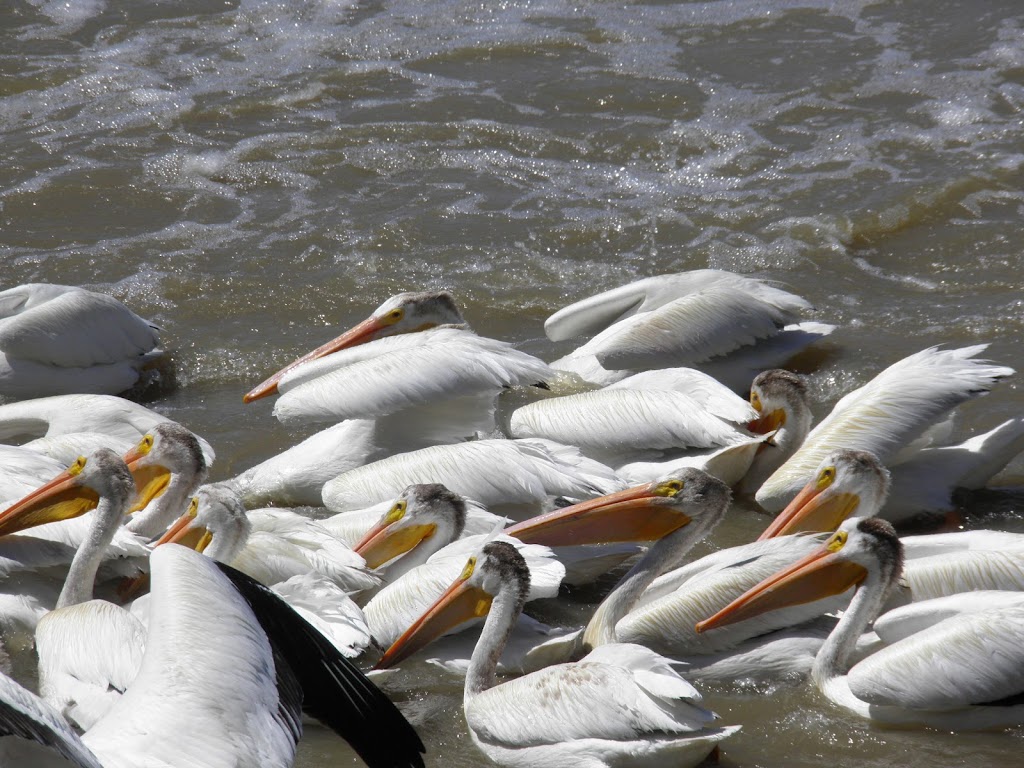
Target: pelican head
[
  {"x": 498, "y": 568},
  {"x": 643, "y": 513},
  {"x": 423, "y": 511},
  {"x": 402, "y": 313},
  {"x": 846, "y": 482},
  {"x": 781, "y": 401},
  {"x": 860, "y": 547},
  {"x": 215, "y": 518},
  {"x": 73, "y": 492},
  {"x": 167, "y": 449}
]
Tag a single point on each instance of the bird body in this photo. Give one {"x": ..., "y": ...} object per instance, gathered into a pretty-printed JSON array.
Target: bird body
[{"x": 59, "y": 339}]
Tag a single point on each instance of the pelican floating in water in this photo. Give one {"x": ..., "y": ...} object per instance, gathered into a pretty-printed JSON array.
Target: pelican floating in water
[
  {"x": 237, "y": 702},
  {"x": 622, "y": 704},
  {"x": 61, "y": 339},
  {"x": 893, "y": 416},
  {"x": 964, "y": 673},
  {"x": 683, "y": 319}
]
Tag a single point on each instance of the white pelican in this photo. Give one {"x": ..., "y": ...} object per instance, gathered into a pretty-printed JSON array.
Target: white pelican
[
  {"x": 61, "y": 339},
  {"x": 444, "y": 367},
  {"x": 71, "y": 414},
  {"x": 237, "y": 702},
  {"x": 672, "y": 320},
  {"x": 892, "y": 416},
  {"x": 643, "y": 416},
  {"x": 402, "y": 313},
  {"x": 964, "y": 673},
  {"x": 517, "y": 473},
  {"x": 924, "y": 483},
  {"x": 621, "y": 705},
  {"x": 854, "y": 483}
]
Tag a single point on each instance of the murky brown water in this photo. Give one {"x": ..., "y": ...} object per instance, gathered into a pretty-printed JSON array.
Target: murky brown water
[{"x": 253, "y": 175}]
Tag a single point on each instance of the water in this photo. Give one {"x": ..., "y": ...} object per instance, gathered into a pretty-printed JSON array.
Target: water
[{"x": 255, "y": 175}]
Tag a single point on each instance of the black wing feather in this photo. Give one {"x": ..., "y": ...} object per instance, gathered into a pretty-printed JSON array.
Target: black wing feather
[{"x": 334, "y": 691}]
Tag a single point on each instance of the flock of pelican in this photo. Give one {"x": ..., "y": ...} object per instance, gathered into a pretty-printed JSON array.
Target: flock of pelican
[{"x": 174, "y": 621}]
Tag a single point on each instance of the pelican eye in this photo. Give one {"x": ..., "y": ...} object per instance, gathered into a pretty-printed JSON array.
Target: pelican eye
[
  {"x": 825, "y": 477},
  {"x": 77, "y": 467},
  {"x": 669, "y": 488},
  {"x": 837, "y": 541},
  {"x": 193, "y": 507},
  {"x": 145, "y": 444},
  {"x": 468, "y": 570},
  {"x": 394, "y": 315},
  {"x": 755, "y": 401},
  {"x": 396, "y": 513}
]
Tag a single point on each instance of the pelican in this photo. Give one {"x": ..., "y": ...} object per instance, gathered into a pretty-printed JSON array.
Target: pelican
[
  {"x": 854, "y": 483},
  {"x": 402, "y": 313},
  {"x": 653, "y": 411},
  {"x": 964, "y": 673},
  {"x": 58, "y": 415},
  {"x": 674, "y": 320},
  {"x": 893, "y": 416},
  {"x": 237, "y": 702},
  {"x": 513, "y": 473},
  {"x": 622, "y": 704},
  {"x": 61, "y": 339}
]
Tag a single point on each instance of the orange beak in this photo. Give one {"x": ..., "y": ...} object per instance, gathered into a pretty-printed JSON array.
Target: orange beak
[
  {"x": 358, "y": 334},
  {"x": 60, "y": 499},
  {"x": 642, "y": 513},
  {"x": 458, "y": 604},
  {"x": 386, "y": 541},
  {"x": 821, "y": 574},
  {"x": 812, "y": 510}
]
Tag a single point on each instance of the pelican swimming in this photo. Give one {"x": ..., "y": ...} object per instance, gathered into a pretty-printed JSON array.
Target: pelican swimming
[
  {"x": 61, "y": 339},
  {"x": 893, "y": 416},
  {"x": 964, "y": 673},
  {"x": 216, "y": 687},
  {"x": 683, "y": 319},
  {"x": 620, "y": 705}
]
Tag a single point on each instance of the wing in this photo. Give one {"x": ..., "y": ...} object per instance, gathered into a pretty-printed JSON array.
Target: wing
[
  {"x": 26, "y": 716},
  {"x": 88, "y": 656},
  {"x": 906, "y": 620},
  {"x": 887, "y": 413},
  {"x": 708, "y": 392},
  {"x": 77, "y": 329},
  {"x": 489, "y": 471},
  {"x": 457, "y": 363},
  {"x": 964, "y": 571},
  {"x": 967, "y": 659},
  {"x": 595, "y": 313},
  {"x": 610, "y": 422},
  {"x": 326, "y": 607},
  {"x": 615, "y": 693}
]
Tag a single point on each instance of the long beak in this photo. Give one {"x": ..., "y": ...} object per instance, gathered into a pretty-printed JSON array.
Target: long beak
[
  {"x": 812, "y": 511},
  {"x": 60, "y": 499},
  {"x": 821, "y": 574},
  {"x": 182, "y": 532},
  {"x": 386, "y": 541},
  {"x": 643, "y": 513},
  {"x": 458, "y": 604},
  {"x": 150, "y": 480},
  {"x": 358, "y": 334}
]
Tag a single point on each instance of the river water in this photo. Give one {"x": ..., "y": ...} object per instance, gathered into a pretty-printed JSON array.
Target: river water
[{"x": 255, "y": 175}]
